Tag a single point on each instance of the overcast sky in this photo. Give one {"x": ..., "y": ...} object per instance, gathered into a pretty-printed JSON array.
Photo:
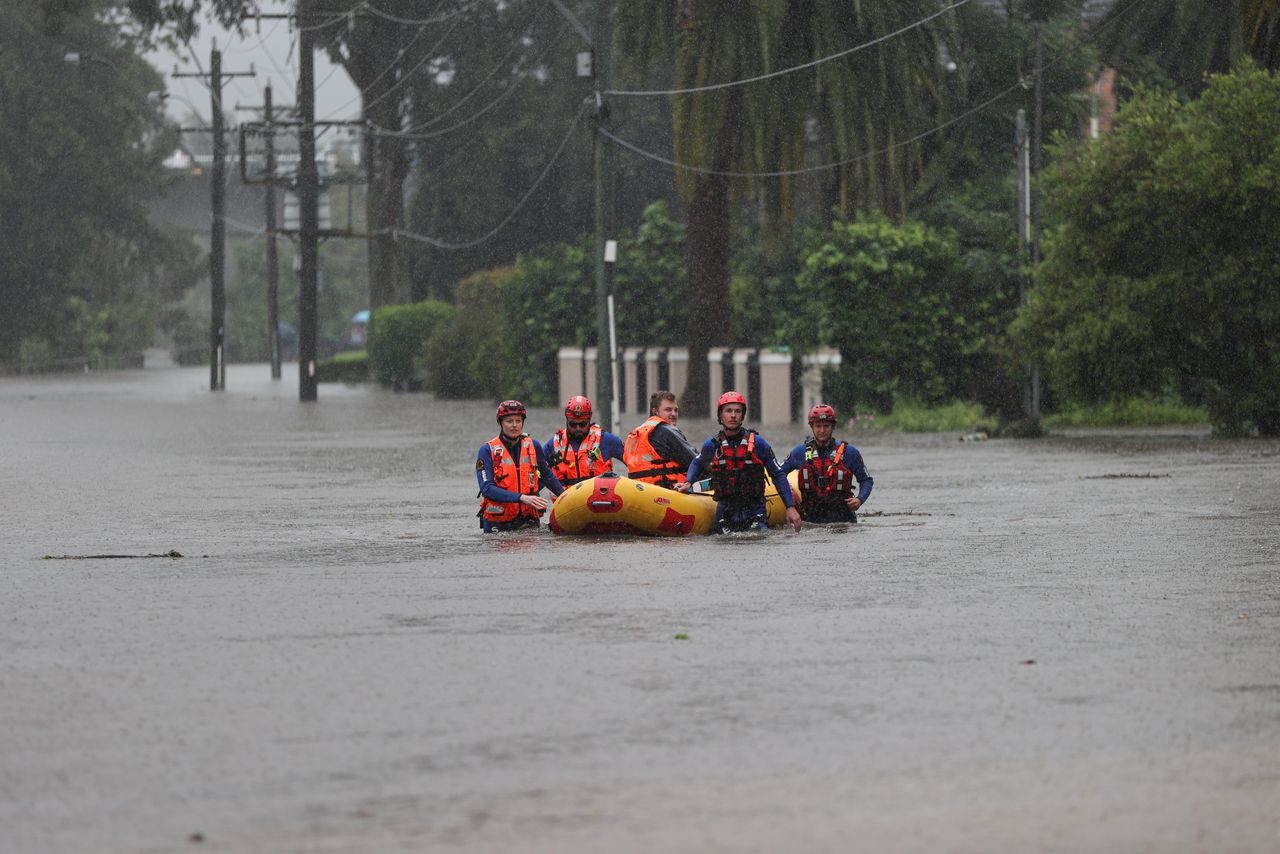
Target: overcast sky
[{"x": 274, "y": 56}]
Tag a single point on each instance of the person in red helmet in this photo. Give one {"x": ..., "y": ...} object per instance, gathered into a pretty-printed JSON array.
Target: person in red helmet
[
  {"x": 581, "y": 449},
  {"x": 738, "y": 461},
  {"x": 511, "y": 470},
  {"x": 828, "y": 470}
]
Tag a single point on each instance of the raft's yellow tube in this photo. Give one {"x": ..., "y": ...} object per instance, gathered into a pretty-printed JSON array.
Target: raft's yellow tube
[{"x": 619, "y": 505}]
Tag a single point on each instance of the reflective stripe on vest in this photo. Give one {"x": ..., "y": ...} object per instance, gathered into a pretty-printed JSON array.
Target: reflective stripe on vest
[
  {"x": 588, "y": 460},
  {"x": 736, "y": 471},
  {"x": 515, "y": 475},
  {"x": 644, "y": 463},
  {"x": 824, "y": 479}
]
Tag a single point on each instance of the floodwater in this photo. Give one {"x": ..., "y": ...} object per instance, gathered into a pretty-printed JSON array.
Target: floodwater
[{"x": 1062, "y": 645}]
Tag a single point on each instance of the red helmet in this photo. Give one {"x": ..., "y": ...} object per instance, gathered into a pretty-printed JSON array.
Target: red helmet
[
  {"x": 730, "y": 397},
  {"x": 577, "y": 407},
  {"x": 511, "y": 407},
  {"x": 822, "y": 412}
]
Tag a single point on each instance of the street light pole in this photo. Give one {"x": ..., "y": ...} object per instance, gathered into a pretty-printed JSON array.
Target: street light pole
[{"x": 218, "y": 237}]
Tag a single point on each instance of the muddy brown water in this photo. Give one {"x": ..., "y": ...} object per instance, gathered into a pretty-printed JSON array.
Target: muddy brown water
[{"x": 1024, "y": 652}]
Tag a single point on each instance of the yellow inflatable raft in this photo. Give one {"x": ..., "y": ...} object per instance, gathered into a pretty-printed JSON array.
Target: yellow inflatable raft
[{"x": 619, "y": 505}]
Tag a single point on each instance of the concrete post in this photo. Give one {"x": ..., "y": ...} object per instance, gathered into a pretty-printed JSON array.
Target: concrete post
[
  {"x": 742, "y": 369},
  {"x": 631, "y": 401},
  {"x": 811, "y": 380},
  {"x": 678, "y": 369},
  {"x": 716, "y": 357},
  {"x": 775, "y": 387},
  {"x": 590, "y": 355},
  {"x": 651, "y": 358},
  {"x": 570, "y": 362}
]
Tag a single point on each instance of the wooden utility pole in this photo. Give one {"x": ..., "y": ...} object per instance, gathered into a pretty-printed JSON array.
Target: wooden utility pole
[
  {"x": 273, "y": 258},
  {"x": 308, "y": 219},
  {"x": 218, "y": 228}
]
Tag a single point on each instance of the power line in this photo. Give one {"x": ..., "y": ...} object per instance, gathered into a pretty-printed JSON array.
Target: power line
[
  {"x": 502, "y": 63},
  {"x": 434, "y": 19},
  {"x": 394, "y": 64},
  {"x": 1021, "y": 84},
  {"x": 506, "y": 93},
  {"x": 261, "y": 37},
  {"x": 443, "y": 244},
  {"x": 271, "y": 57},
  {"x": 809, "y": 169},
  {"x": 329, "y": 22},
  {"x": 780, "y": 72}
]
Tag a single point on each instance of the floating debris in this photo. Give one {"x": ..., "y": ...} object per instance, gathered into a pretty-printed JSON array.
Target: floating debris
[
  {"x": 172, "y": 553},
  {"x": 1125, "y": 475}
]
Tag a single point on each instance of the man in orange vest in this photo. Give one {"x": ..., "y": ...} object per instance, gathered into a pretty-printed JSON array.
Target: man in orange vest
[
  {"x": 511, "y": 470},
  {"x": 581, "y": 450},
  {"x": 656, "y": 451}
]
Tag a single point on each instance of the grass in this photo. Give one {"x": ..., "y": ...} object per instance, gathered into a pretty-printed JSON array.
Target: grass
[
  {"x": 1130, "y": 412},
  {"x": 911, "y": 416}
]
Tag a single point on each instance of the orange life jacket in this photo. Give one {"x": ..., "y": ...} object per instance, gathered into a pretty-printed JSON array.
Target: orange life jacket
[
  {"x": 736, "y": 472},
  {"x": 516, "y": 475},
  {"x": 824, "y": 481},
  {"x": 572, "y": 466},
  {"x": 644, "y": 463}
]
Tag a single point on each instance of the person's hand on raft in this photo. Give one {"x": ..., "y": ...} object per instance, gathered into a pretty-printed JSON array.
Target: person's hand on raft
[
  {"x": 683, "y": 487},
  {"x": 537, "y": 502},
  {"x": 793, "y": 518}
]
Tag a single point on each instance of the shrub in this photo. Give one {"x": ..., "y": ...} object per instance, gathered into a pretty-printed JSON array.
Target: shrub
[
  {"x": 908, "y": 316},
  {"x": 1128, "y": 412},
  {"x": 398, "y": 334},
  {"x": 471, "y": 357},
  {"x": 352, "y": 367}
]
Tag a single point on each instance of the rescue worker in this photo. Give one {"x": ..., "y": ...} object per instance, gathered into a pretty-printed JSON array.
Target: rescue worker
[
  {"x": 511, "y": 470},
  {"x": 828, "y": 469},
  {"x": 738, "y": 460},
  {"x": 657, "y": 451},
  {"x": 581, "y": 450}
]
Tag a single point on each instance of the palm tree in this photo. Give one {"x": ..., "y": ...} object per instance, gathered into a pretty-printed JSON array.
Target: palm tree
[
  {"x": 1189, "y": 38},
  {"x": 865, "y": 102}
]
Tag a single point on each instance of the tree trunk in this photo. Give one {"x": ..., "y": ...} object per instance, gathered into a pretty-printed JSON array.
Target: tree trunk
[
  {"x": 384, "y": 208},
  {"x": 708, "y": 244},
  {"x": 386, "y": 157}
]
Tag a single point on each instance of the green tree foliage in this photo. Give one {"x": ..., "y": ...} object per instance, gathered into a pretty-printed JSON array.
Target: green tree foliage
[
  {"x": 902, "y": 307},
  {"x": 398, "y": 335},
  {"x": 1165, "y": 271},
  {"x": 867, "y": 105},
  {"x": 762, "y": 289},
  {"x": 484, "y": 131},
  {"x": 551, "y": 304},
  {"x": 1185, "y": 39},
  {"x": 472, "y": 357},
  {"x": 82, "y": 272}
]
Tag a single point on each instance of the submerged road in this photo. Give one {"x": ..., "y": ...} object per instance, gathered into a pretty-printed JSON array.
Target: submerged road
[{"x": 1063, "y": 645}]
